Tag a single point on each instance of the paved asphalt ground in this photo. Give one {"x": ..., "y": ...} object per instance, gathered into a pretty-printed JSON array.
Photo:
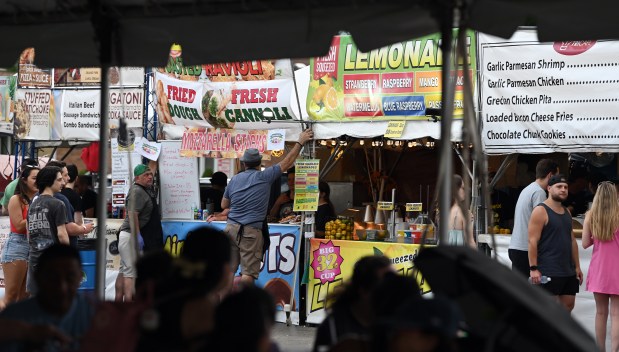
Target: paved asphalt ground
[
  {"x": 300, "y": 338},
  {"x": 294, "y": 338}
]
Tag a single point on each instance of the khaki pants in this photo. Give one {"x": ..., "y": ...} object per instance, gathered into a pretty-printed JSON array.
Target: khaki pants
[{"x": 246, "y": 249}]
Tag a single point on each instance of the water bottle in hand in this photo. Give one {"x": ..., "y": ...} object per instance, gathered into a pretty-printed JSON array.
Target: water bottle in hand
[{"x": 543, "y": 280}]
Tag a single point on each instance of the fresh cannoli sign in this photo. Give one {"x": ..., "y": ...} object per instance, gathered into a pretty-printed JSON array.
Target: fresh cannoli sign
[
  {"x": 241, "y": 95},
  {"x": 222, "y": 105}
]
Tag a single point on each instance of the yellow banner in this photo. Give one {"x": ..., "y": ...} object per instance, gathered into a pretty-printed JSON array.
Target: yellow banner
[{"x": 331, "y": 264}]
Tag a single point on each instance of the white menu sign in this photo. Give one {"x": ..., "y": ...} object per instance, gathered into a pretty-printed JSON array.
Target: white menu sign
[
  {"x": 121, "y": 177},
  {"x": 548, "y": 97},
  {"x": 180, "y": 188}
]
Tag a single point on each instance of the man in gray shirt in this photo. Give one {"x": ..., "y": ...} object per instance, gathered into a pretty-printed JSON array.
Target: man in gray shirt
[
  {"x": 529, "y": 198},
  {"x": 46, "y": 220},
  {"x": 246, "y": 201}
]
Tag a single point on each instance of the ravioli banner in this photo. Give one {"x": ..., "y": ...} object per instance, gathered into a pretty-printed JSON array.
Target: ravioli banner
[
  {"x": 241, "y": 95},
  {"x": 396, "y": 82}
]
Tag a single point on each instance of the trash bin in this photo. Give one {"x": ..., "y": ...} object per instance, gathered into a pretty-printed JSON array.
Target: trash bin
[{"x": 88, "y": 254}]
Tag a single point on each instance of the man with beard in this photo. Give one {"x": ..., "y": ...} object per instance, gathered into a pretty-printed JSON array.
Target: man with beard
[
  {"x": 529, "y": 198},
  {"x": 553, "y": 251}
]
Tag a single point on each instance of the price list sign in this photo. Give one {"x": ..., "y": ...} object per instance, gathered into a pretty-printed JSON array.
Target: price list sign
[
  {"x": 306, "y": 185},
  {"x": 548, "y": 97}
]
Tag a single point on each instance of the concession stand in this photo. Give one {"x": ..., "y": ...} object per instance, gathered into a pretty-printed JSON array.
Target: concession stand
[
  {"x": 61, "y": 108},
  {"x": 385, "y": 100},
  {"x": 218, "y": 111}
]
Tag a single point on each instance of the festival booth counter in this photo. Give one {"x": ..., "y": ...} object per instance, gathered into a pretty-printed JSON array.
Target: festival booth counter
[
  {"x": 218, "y": 111},
  {"x": 391, "y": 96},
  {"x": 279, "y": 273}
]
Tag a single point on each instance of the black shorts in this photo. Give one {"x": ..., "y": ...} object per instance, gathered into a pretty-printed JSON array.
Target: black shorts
[
  {"x": 520, "y": 261},
  {"x": 562, "y": 286}
]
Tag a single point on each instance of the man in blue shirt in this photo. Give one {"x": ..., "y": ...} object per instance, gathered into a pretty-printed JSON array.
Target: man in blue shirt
[{"x": 247, "y": 198}]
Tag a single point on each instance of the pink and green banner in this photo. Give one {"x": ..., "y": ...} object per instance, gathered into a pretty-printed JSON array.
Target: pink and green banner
[
  {"x": 396, "y": 82},
  {"x": 222, "y": 143}
]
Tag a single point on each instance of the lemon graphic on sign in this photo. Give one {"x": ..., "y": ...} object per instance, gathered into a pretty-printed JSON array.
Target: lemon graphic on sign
[{"x": 331, "y": 99}]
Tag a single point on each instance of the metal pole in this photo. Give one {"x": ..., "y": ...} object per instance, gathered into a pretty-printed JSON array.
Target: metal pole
[
  {"x": 104, "y": 136},
  {"x": 105, "y": 31},
  {"x": 447, "y": 101}
]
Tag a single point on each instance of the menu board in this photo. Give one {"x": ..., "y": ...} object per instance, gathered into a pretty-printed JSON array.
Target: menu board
[
  {"x": 548, "y": 97},
  {"x": 123, "y": 155},
  {"x": 180, "y": 189},
  {"x": 306, "y": 191}
]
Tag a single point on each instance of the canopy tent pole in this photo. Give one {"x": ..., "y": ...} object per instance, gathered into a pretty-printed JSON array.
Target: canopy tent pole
[
  {"x": 105, "y": 31},
  {"x": 447, "y": 101}
]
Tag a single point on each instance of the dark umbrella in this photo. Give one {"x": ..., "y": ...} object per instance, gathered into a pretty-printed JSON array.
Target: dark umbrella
[{"x": 499, "y": 305}]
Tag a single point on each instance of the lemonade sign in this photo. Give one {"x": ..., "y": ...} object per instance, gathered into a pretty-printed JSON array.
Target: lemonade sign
[
  {"x": 396, "y": 82},
  {"x": 332, "y": 263}
]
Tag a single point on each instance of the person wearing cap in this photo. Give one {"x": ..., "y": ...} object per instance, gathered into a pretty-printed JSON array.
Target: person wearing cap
[
  {"x": 553, "y": 251},
  {"x": 9, "y": 190},
  {"x": 144, "y": 212},
  {"x": 530, "y": 197},
  {"x": 246, "y": 201}
]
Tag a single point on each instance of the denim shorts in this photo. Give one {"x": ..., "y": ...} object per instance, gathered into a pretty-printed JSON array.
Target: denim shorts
[{"x": 15, "y": 248}]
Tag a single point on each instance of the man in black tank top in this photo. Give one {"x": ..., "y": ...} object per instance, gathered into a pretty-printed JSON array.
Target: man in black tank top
[{"x": 553, "y": 251}]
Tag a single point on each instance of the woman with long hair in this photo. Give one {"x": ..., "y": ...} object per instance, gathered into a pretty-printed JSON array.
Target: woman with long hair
[
  {"x": 15, "y": 252},
  {"x": 460, "y": 222},
  {"x": 601, "y": 229}
]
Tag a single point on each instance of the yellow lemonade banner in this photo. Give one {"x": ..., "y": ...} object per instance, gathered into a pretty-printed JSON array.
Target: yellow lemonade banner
[
  {"x": 331, "y": 264},
  {"x": 397, "y": 82}
]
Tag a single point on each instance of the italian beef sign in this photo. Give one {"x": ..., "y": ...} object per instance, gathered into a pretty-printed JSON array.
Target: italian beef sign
[{"x": 222, "y": 142}]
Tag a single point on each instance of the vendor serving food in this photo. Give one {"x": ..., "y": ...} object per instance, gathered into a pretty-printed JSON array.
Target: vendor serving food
[{"x": 282, "y": 208}]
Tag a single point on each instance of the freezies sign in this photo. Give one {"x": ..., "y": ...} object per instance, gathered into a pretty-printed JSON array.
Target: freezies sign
[
  {"x": 222, "y": 143},
  {"x": 332, "y": 263},
  {"x": 399, "y": 81}
]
